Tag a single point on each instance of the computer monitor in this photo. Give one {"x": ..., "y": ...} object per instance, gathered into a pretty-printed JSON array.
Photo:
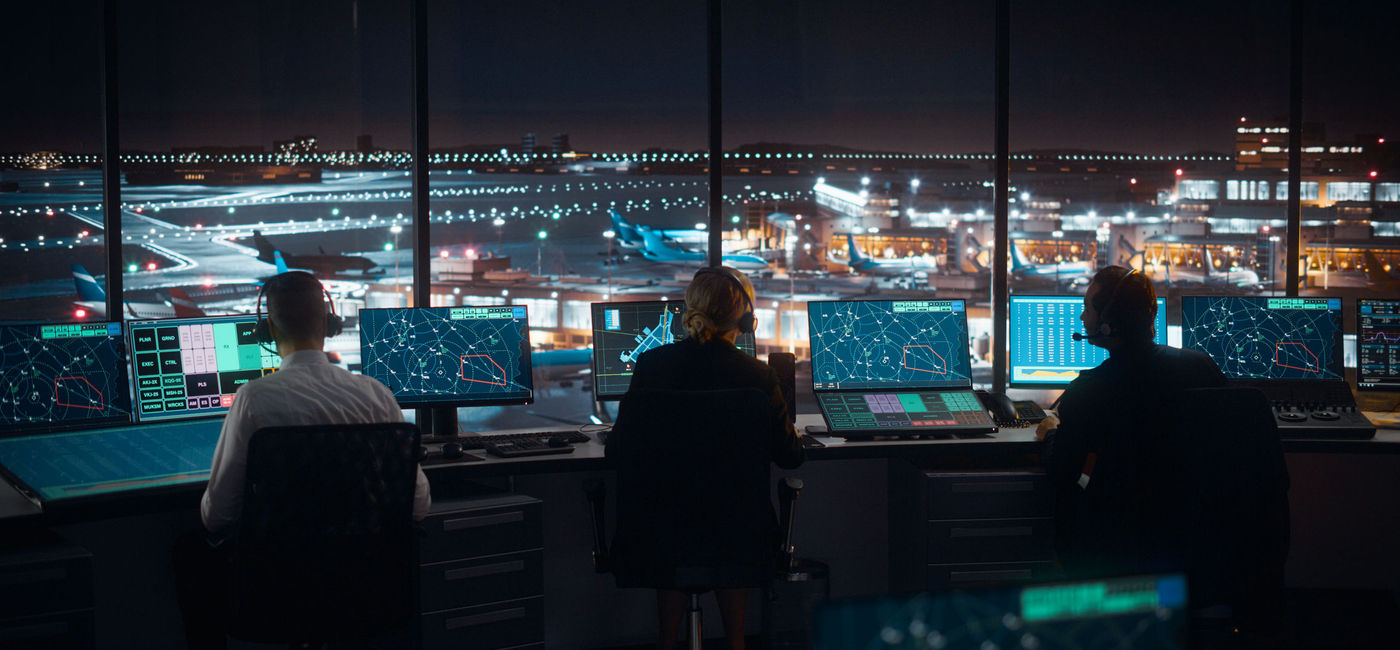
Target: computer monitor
[
  {"x": 1042, "y": 353},
  {"x": 1131, "y": 612},
  {"x": 1263, "y": 338},
  {"x": 1378, "y": 344},
  {"x": 622, "y": 331},
  {"x": 449, "y": 356},
  {"x": 191, "y": 367},
  {"x": 889, "y": 344},
  {"x": 58, "y": 376}
]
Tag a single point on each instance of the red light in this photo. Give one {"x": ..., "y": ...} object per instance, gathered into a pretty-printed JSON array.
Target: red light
[
  {"x": 138, "y": 210},
  {"x": 443, "y": 254},
  {"x": 49, "y": 213},
  {"x": 1178, "y": 172},
  {"x": 1380, "y": 140},
  {"x": 81, "y": 313},
  {"x": 1265, "y": 229},
  {"x": 1265, "y": 141},
  {"x": 1373, "y": 173},
  {"x": 1132, "y": 181},
  {"x": 151, "y": 266}
]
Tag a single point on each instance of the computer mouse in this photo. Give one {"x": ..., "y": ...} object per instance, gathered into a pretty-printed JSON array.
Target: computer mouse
[
  {"x": 558, "y": 441},
  {"x": 451, "y": 450}
]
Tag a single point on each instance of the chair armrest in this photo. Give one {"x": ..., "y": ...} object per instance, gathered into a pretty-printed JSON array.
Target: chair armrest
[
  {"x": 788, "y": 490},
  {"x": 597, "y": 493}
]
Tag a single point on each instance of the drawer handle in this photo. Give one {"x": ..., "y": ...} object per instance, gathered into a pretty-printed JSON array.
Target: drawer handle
[
  {"x": 999, "y": 486},
  {"x": 36, "y": 631},
  {"x": 484, "y": 570},
  {"x": 482, "y": 521},
  {"x": 971, "y": 576},
  {"x": 26, "y": 577},
  {"x": 1004, "y": 531},
  {"x": 488, "y": 617}
]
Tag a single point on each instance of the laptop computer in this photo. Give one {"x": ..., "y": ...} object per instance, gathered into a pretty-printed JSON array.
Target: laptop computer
[{"x": 898, "y": 368}]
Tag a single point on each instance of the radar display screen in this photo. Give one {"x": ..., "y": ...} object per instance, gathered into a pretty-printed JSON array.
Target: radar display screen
[
  {"x": 1257, "y": 337},
  {"x": 1042, "y": 352},
  {"x": 448, "y": 356},
  {"x": 1378, "y": 344},
  {"x": 889, "y": 344},
  {"x": 191, "y": 367},
  {"x": 56, "y": 376},
  {"x": 622, "y": 331}
]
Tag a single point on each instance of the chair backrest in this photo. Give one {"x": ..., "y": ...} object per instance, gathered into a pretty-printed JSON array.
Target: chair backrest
[
  {"x": 1229, "y": 511},
  {"x": 325, "y": 545},
  {"x": 693, "y": 504}
]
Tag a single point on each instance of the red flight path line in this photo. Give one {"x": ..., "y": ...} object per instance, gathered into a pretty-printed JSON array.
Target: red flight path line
[
  {"x": 1305, "y": 349},
  {"x": 102, "y": 400},
  {"x": 904, "y": 361},
  {"x": 462, "y": 373}
]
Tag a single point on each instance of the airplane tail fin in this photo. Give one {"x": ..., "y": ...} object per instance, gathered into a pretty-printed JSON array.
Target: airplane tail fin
[
  {"x": 88, "y": 288},
  {"x": 853, "y": 251},
  {"x": 626, "y": 232},
  {"x": 1207, "y": 262},
  {"x": 1018, "y": 258},
  {"x": 266, "y": 251},
  {"x": 281, "y": 263},
  {"x": 185, "y": 307},
  {"x": 1133, "y": 253}
]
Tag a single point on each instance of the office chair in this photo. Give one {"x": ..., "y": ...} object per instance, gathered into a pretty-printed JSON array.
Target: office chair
[
  {"x": 325, "y": 548},
  {"x": 1230, "y": 505},
  {"x": 693, "y": 506}
]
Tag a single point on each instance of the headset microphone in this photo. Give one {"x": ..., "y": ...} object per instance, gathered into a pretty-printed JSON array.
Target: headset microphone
[{"x": 1085, "y": 337}]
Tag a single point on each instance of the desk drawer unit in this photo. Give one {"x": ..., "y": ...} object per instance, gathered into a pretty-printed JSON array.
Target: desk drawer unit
[
  {"x": 990, "y": 540},
  {"x": 481, "y": 574},
  {"x": 957, "y": 576},
  {"x": 46, "y": 596}
]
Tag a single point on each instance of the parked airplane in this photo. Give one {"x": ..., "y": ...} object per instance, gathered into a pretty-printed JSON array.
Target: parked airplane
[
  {"x": 324, "y": 264},
  {"x": 657, "y": 249},
  {"x": 1206, "y": 276},
  {"x": 629, "y": 235},
  {"x": 1079, "y": 272},
  {"x": 861, "y": 263},
  {"x": 92, "y": 301}
]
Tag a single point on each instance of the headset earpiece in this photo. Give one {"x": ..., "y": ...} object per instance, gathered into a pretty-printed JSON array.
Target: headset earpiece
[{"x": 335, "y": 325}]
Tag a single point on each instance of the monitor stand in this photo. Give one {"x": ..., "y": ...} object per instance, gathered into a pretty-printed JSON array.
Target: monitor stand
[
  {"x": 600, "y": 413},
  {"x": 444, "y": 421}
]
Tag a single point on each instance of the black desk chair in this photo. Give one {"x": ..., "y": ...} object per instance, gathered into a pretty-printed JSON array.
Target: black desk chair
[
  {"x": 693, "y": 506},
  {"x": 325, "y": 548},
  {"x": 1230, "y": 507}
]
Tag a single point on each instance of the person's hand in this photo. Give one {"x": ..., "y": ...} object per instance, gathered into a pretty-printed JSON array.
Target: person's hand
[{"x": 1051, "y": 421}]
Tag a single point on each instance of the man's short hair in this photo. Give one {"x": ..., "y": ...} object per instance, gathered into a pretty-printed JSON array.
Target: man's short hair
[
  {"x": 296, "y": 304},
  {"x": 1134, "y": 302}
]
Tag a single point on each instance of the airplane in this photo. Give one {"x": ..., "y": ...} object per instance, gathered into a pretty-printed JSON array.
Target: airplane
[
  {"x": 656, "y": 248},
  {"x": 324, "y": 264},
  {"x": 1079, "y": 272},
  {"x": 861, "y": 263},
  {"x": 1207, "y": 276},
  {"x": 628, "y": 235},
  {"x": 92, "y": 301}
]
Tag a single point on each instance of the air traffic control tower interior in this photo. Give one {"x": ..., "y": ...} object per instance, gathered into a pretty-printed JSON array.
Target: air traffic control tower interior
[{"x": 506, "y": 202}]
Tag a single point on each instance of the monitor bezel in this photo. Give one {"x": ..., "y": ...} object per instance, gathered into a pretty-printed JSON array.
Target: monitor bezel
[
  {"x": 457, "y": 401},
  {"x": 13, "y": 430},
  {"x": 131, "y": 365},
  {"x": 1356, "y": 331},
  {"x": 751, "y": 350},
  {"x": 1338, "y": 350},
  {"x": 1039, "y": 385},
  {"x": 966, "y": 342}
]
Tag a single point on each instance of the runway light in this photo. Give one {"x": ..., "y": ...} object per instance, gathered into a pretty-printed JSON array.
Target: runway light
[
  {"x": 132, "y": 268},
  {"x": 388, "y": 246},
  {"x": 1178, "y": 171},
  {"x": 150, "y": 266},
  {"x": 80, "y": 313},
  {"x": 443, "y": 254}
]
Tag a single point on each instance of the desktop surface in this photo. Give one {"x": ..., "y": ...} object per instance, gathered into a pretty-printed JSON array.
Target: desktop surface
[
  {"x": 622, "y": 331},
  {"x": 889, "y": 344},
  {"x": 55, "y": 376},
  {"x": 191, "y": 367},
  {"x": 1263, "y": 338},
  {"x": 449, "y": 356},
  {"x": 1042, "y": 352},
  {"x": 1378, "y": 345}
]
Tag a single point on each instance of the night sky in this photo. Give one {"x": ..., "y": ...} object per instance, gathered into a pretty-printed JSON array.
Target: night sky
[{"x": 624, "y": 76}]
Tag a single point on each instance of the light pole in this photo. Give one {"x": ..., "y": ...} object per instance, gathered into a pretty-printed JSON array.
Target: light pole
[
  {"x": 498, "y": 223},
  {"x": 396, "y": 229},
  {"x": 539, "y": 254},
  {"x": 1059, "y": 235},
  {"x": 609, "y": 235}
]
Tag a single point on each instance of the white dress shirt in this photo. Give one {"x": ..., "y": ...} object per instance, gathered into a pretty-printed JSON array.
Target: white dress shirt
[{"x": 306, "y": 390}]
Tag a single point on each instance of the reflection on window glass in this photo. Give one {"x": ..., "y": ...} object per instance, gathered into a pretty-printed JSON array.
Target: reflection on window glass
[{"x": 52, "y": 244}]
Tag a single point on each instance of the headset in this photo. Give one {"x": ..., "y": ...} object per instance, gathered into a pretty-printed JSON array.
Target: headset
[
  {"x": 745, "y": 324},
  {"x": 1105, "y": 330},
  {"x": 263, "y": 331}
]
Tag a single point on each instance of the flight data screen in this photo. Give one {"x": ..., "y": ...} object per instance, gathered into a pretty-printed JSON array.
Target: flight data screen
[
  {"x": 449, "y": 355},
  {"x": 62, "y": 375},
  {"x": 622, "y": 331},
  {"x": 889, "y": 344},
  {"x": 872, "y": 412},
  {"x": 1042, "y": 350},
  {"x": 1257, "y": 337},
  {"x": 1378, "y": 344},
  {"x": 191, "y": 367}
]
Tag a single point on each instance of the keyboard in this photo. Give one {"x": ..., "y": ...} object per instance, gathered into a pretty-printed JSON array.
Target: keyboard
[
  {"x": 1322, "y": 420},
  {"x": 525, "y": 447}
]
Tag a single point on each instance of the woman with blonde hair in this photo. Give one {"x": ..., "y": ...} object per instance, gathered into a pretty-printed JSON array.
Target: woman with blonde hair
[{"x": 719, "y": 307}]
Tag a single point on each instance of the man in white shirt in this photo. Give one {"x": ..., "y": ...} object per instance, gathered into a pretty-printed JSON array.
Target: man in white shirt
[{"x": 306, "y": 390}]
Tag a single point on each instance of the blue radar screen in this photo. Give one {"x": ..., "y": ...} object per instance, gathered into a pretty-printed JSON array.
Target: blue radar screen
[
  {"x": 449, "y": 355},
  {"x": 61, "y": 376},
  {"x": 1257, "y": 337},
  {"x": 878, "y": 344}
]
